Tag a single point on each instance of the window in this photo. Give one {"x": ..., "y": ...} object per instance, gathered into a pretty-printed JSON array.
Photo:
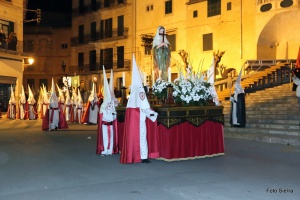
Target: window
[
  {"x": 93, "y": 5},
  {"x": 121, "y": 25},
  {"x": 81, "y": 34},
  {"x": 149, "y": 8},
  {"x": 172, "y": 40},
  {"x": 81, "y": 6},
  {"x": 93, "y": 31},
  {"x": 106, "y": 28},
  {"x": 28, "y": 46},
  {"x": 43, "y": 82},
  {"x": 93, "y": 64},
  {"x": 81, "y": 62},
  {"x": 31, "y": 83},
  {"x": 120, "y": 57},
  {"x": 168, "y": 7},
  {"x": 229, "y": 6},
  {"x": 64, "y": 45},
  {"x": 213, "y": 8},
  {"x": 208, "y": 42},
  {"x": 106, "y": 58},
  {"x": 195, "y": 13},
  {"x": 106, "y": 3}
]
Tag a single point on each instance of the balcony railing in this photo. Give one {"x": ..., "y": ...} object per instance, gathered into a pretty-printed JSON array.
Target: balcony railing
[
  {"x": 98, "y": 6},
  {"x": 92, "y": 68},
  {"x": 114, "y": 34}
]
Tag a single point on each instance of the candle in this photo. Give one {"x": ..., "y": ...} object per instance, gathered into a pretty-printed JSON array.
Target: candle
[
  {"x": 123, "y": 79},
  {"x": 153, "y": 78},
  {"x": 169, "y": 75}
]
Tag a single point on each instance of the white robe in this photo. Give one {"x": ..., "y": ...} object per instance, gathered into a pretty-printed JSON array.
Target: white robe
[
  {"x": 108, "y": 117},
  {"x": 55, "y": 121},
  {"x": 143, "y": 130},
  {"x": 93, "y": 114}
]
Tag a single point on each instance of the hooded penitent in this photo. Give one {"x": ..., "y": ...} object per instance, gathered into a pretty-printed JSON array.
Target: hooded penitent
[
  {"x": 107, "y": 107},
  {"x": 61, "y": 97},
  {"x": 11, "y": 112},
  {"x": 32, "y": 110},
  {"x": 111, "y": 86},
  {"x": 93, "y": 95},
  {"x": 140, "y": 137},
  {"x": 107, "y": 138}
]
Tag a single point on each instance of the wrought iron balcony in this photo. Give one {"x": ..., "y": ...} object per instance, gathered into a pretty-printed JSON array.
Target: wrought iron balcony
[
  {"x": 114, "y": 34},
  {"x": 94, "y": 67}
]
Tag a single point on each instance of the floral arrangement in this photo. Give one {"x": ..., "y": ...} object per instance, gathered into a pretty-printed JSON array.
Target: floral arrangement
[
  {"x": 189, "y": 90},
  {"x": 160, "y": 88},
  {"x": 193, "y": 91}
]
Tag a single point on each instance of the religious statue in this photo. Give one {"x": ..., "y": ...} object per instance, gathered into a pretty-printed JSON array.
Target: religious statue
[{"x": 161, "y": 53}]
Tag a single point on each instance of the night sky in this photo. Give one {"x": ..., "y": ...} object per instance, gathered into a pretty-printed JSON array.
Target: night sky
[
  {"x": 51, "y": 5},
  {"x": 55, "y": 13}
]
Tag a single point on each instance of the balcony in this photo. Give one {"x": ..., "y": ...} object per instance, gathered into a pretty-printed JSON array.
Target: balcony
[
  {"x": 114, "y": 34},
  {"x": 99, "y": 5},
  {"x": 86, "y": 68}
]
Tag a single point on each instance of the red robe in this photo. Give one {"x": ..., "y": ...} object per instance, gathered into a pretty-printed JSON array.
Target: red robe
[
  {"x": 130, "y": 152},
  {"x": 62, "y": 124},
  {"x": 100, "y": 145}
]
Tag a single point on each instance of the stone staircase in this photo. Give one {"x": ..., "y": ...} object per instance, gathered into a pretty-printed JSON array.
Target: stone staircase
[{"x": 272, "y": 115}]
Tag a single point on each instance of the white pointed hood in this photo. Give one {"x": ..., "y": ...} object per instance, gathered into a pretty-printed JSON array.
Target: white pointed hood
[
  {"x": 108, "y": 106},
  {"x": 53, "y": 97},
  {"x": 45, "y": 97},
  {"x": 41, "y": 95},
  {"x": 238, "y": 89},
  {"x": 31, "y": 99},
  {"x": 79, "y": 98},
  {"x": 12, "y": 96},
  {"x": 68, "y": 98},
  {"x": 93, "y": 95},
  {"x": 112, "y": 89},
  {"x": 74, "y": 96},
  {"x": 61, "y": 96},
  {"x": 23, "y": 97},
  {"x": 138, "y": 97}
]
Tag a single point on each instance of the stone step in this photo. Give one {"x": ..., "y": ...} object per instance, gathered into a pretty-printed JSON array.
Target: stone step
[
  {"x": 274, "y": 127},
  {"x": 268, "y": 117},
  {"x": 262, "y": 110},
  {"x": 267, "y": 112},
  {"x": 265, "y": 137},
  {"x": 294, "y": 122}
]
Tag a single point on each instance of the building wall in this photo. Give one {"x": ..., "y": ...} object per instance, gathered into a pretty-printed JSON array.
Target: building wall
[
  {"x": 11, "y": 62},
  {"x": 50, "y": 47},
  {"x": 87, "y": 77}
]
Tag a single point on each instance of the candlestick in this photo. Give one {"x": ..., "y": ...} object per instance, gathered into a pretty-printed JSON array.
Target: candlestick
[{"x": 169, "y": 74}]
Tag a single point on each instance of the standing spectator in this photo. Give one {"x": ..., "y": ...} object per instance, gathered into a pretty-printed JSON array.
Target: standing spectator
[
  {"x": 12, "y": 41},
  {"x": 2, "y": 39}
]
